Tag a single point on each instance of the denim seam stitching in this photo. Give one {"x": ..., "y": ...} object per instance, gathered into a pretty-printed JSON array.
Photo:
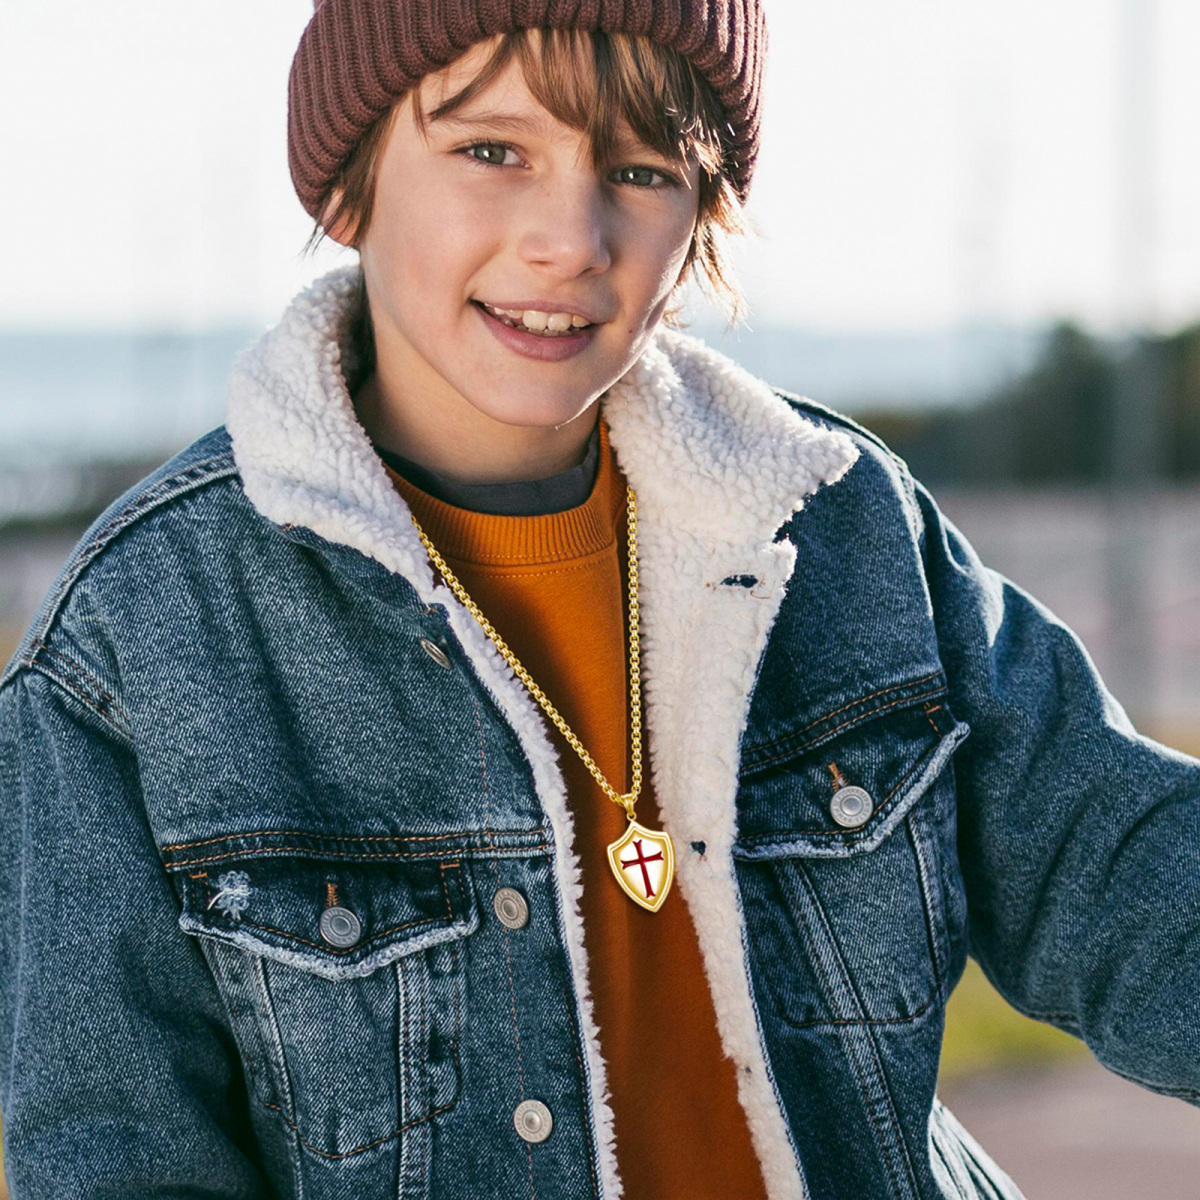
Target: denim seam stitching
[
  {"x": 407, "y": 1065},
  {"x": 413, "y": 992},
  {"x": 1164, "y": 1089},
  {"x": 72, "y": 689},
  {"x": 897, "y": 1125},
  {"x": 1045, "y": 1016},
  {"x": 928, "y": 860},
  {"x": 107, "y": 701},
  {"x": 848, "y": 978},
  {"x": 358, "y": 946},
  {"x": 460, "y": 987},
  {"x": 793, "y": 750},
  {"x": 891, "y": 688},
  {"x": 357, "y": 1149},
  {"x": 277, "y": 1054},
  {"x": 358, "y": 855},
  {"x": 839, "y": 1021},
  {"x": 371, "y": 837},
  {"x": 456, "y": 950},
  {"x": 768, "y": 838},
  {"x": 222, "y": 987},
  {"x": 885, "y": 1085},
  {"x": 178, "y": 484}
]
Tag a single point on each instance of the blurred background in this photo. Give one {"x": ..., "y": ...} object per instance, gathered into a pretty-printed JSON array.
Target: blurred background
[{"x": 979, "y": 239}]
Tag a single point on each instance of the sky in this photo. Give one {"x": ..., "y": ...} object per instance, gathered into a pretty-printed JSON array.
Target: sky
[{"x": 926, "y": 164}]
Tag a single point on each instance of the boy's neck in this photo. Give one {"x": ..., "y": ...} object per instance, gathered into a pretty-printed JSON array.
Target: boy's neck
[{"x": 468, "y": 446}]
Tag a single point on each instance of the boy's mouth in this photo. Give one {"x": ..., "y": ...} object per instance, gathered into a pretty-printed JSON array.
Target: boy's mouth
[{"x": 534, "y": 323}]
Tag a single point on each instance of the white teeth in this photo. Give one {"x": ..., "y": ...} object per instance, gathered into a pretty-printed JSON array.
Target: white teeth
[{"x": 540, "y": 322}]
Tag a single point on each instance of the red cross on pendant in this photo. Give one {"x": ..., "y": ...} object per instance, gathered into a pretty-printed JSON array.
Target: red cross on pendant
[
  {"x": 646, "y": 877},
  {"x": 641, "y": 861}
]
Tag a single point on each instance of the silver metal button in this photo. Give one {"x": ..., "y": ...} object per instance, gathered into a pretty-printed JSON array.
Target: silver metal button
[
  {"x": 533, "y": 1120},
  {"x": 435, "y": 652},
  {"x": 511, "y": 907},
  {"x": 851, "y": 806},
  {"x": 339, "y": 926}
]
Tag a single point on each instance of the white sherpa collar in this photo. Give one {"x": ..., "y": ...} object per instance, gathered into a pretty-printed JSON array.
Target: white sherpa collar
[
  {"x": 696, "y": 435},
  {"x": 718, "y": 462}
]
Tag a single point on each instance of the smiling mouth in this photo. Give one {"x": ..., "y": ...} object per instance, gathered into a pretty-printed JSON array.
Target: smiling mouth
[{"x": 574, "y": 331}]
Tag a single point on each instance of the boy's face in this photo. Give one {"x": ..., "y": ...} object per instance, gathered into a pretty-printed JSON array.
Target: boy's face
[{"x": 449, "y": 229}]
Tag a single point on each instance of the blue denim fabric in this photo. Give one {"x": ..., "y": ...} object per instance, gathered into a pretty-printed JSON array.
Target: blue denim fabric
[{"x": 213, "y": 721}]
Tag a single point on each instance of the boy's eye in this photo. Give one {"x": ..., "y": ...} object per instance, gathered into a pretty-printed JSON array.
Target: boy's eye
[
  {"x": 500, "y": 149},
  {"x": 646, "y": 171}
]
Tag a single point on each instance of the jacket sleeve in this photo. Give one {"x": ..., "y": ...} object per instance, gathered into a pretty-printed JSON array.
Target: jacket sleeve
[
  {"x": 1079, "y": 837},
  {"x": 117, "y": 1073}
]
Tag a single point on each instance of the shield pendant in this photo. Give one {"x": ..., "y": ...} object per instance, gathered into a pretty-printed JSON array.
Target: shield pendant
[{"x": 643, "y": 861}]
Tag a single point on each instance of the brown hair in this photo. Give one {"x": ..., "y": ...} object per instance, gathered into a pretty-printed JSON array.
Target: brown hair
[{"x": 667, "y": 103}]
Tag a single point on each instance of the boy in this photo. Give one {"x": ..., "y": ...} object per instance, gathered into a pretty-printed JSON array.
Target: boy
[{"x": 295, "y": 867}]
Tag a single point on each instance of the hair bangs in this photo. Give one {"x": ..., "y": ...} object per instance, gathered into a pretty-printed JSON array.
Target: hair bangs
[{"x": 607, "y": 87}]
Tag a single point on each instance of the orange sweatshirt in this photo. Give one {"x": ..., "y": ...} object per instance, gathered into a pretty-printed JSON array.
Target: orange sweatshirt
[{"x": 555, "y": 587}]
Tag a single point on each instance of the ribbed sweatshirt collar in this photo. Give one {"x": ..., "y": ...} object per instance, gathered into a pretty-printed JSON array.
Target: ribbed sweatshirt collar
[{"x": 499, "y": 539}]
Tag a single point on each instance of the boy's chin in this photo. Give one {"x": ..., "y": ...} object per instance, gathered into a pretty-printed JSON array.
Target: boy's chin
[{"x": 519, "y": 411}]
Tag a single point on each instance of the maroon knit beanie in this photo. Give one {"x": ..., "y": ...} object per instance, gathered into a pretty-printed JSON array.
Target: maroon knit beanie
[{"x": 357, "y": 57}]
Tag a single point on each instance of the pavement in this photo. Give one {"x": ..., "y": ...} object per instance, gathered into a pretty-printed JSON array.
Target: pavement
[{"x": 1079, "y": 1132}]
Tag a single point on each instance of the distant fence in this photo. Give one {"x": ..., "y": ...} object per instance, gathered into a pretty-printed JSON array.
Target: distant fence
[{"x": 1122, "y": 568}]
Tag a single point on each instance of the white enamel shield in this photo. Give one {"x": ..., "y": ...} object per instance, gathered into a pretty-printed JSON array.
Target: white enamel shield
[{"x": 644, "y": 863}]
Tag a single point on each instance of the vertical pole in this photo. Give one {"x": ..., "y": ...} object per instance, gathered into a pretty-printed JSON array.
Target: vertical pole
[{"x": 1135, "y": 413}]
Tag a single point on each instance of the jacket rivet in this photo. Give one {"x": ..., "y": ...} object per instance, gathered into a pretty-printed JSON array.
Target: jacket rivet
[
  {"x": 435, "y": 652},
  {"x": 851, "y": 806},
  {"x": 339, "y": 926},
  {"x": 511, "y": 907},
  {"x": 533, "y": 1120}
]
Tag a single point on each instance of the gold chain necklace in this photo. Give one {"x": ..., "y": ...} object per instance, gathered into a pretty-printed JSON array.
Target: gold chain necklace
[{"x": 645, "y": 878}]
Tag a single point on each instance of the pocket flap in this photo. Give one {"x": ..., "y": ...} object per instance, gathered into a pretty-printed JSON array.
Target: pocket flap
[
  {"x": 281, "y": 906},
  {"x": 787, "y": 807}
]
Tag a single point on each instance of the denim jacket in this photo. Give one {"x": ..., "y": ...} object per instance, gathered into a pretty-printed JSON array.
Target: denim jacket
[{"x": 289, "y": 896}]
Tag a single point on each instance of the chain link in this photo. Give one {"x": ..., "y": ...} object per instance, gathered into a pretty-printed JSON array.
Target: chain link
[{"x": 635, "y": 682}]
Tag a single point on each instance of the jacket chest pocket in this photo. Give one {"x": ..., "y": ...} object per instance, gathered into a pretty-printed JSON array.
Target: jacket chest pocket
[
  {"x": 847, "y": 867},
  {"x": 346, "y": 986}
]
